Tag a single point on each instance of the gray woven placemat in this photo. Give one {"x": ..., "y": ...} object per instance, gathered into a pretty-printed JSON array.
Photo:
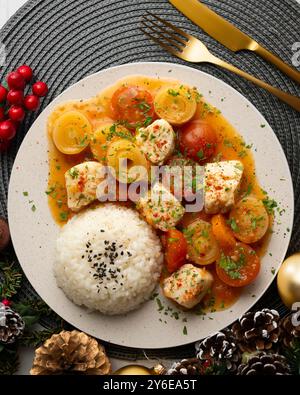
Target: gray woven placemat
[{"x": 66, "y": 40}]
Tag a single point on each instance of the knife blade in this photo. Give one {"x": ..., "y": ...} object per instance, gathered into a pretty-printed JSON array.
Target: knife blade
[{"x": 227, "y": 34}]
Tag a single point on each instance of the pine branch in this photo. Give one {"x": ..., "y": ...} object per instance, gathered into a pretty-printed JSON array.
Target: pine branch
[
  {"x": 293, "y": 356},
  {"x": 9, "y": 361},
  {"x": 36, "y": 338},
  {"x": 11, "y": 280},
  {"x": 32, "y": 310}
]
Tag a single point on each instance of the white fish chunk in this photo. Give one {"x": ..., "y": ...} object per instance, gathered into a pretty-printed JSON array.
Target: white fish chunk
[
  {"x": 188, "y": 285},
  {"x": 160, "y": 208},
  {"x": 221, "y": 182},
  {"x": 157, "y": 141},
  {"x": 81, "y": 183}
]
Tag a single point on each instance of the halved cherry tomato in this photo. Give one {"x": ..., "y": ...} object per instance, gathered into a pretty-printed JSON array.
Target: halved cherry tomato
[
  {"x": 190, "y": 217},
  {"x": 198, "y": 140},
  {"x": 239, "y": 267},
  {"x": 132, "y": 105},
  {"x": 176, "y": 249},
  {"x": 222, "y": 232}
]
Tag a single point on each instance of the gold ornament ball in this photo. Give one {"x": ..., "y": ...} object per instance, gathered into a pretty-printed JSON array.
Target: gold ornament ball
[
  {"x": 288, "y": 280},
  {"x": 133, "y": 370},
  {"x": 139, "y": 370}
]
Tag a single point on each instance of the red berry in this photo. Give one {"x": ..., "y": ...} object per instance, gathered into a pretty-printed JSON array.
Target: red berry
[
  {"x": 31, "y": 102},
  {"x": 2, "y": 114},
  {"x": 6, "y": 302},
  {"x": 15, "y": 97},
  {"x": 16, "y": 113},
  {"x": 7, "y": 130},
  {"x": 16, "y": 81},
  {"x": 26, "y": 72},
  {"x": 3, "y": 93},
  {"x": 40, "y": 88}
]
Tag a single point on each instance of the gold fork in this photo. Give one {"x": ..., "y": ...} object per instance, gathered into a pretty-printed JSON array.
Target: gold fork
[{"x": 189, "y": 48}]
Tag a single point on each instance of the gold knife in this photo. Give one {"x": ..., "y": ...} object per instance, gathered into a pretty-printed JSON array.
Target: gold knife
[{"x": 227, "y": 34}]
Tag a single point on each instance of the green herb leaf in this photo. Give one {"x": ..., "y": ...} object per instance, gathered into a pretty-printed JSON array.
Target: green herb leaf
[
  {"x": 233, "y": 224},
  {"x": 172, "y": 92},
  {"x": 270, "y": 205}
]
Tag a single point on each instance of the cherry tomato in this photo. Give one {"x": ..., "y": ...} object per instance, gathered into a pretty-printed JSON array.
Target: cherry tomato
[
  {"x": 7, "y": 130},
  {"x": 239, "y": 267},
  {"x": 3, "y": 94},
  {"x": 176, "y": 250},
  {"x": 197, "y": 140},
  {"x": 15, "y": 97},
  {"x": 26, "y": 72},
  {"x": 15, "y": 80},
  {"x": 31, "y": 102},
  {"x": 190, "y": 217},
  {"x": 40, "y": 88},
  {"x": 16, "y": 113},
  {"x": 132, "y": 105}
]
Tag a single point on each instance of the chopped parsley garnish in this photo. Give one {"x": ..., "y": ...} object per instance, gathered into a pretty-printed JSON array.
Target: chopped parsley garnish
[
  {"x": 50, "y": 190},
  {"x": 74, "y": 173},
  {"x": 231, "y": 267},
  {"x": 200, "y": 154},
  {"x": 118, "y": 133},
  {"x": 239, "y": 167},
  {"x": 25, "y": 193},
  {"x": 172, "y": 92},
  {"x": 172, "y": 239},
  {"x": 270, "y": 205},
  {"x": 143, "y": 106},
  {"x": 227, "y": 143},
  {"x": 83, "y": 141},
  {"x": 184, "y": 330},
  {"x": 233, "y": 224},
  {"x": 204, "y": 233},
  {"x": 160, "y": 305},
  {"x": 242, "y": 154},
  {"x": 63, "y": 215},
  {"x": 147, "y": 121},
  {"x": 33, "y": 208},
  {"x": 249, "y": 190}
]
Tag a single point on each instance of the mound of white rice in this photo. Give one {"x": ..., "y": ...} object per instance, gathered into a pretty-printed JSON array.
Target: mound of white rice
[{"x": 108, "y": 259}]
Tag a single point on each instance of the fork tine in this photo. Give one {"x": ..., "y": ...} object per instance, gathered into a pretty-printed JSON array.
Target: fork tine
[
  {"x": 170, "y": 25},
  {"x": 158, "y": 32},
  {"x": 165, "y": 46},
  {"x": 162, "y": 28}
]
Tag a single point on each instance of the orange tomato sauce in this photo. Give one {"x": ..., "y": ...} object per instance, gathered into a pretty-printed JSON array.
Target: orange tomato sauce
[{"x": 98, "y": 110}]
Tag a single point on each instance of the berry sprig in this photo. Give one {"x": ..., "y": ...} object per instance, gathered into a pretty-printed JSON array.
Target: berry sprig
[{"x": 13, "y": 103}]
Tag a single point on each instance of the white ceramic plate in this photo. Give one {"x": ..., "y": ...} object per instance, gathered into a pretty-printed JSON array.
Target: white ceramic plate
[{"x": 34, "y": 232}]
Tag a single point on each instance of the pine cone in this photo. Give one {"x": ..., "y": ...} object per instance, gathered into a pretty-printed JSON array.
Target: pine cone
[
  {"x": 220, "y": 349},
  {"x": 191, "y": 367},
  {"x": 11, "y": 325},
  {"x": 289, "y": 333},
  {"x": 264, "y": 364},
  {"x": 257, "y": 331},
  {"x": 70, "y": 353}
]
